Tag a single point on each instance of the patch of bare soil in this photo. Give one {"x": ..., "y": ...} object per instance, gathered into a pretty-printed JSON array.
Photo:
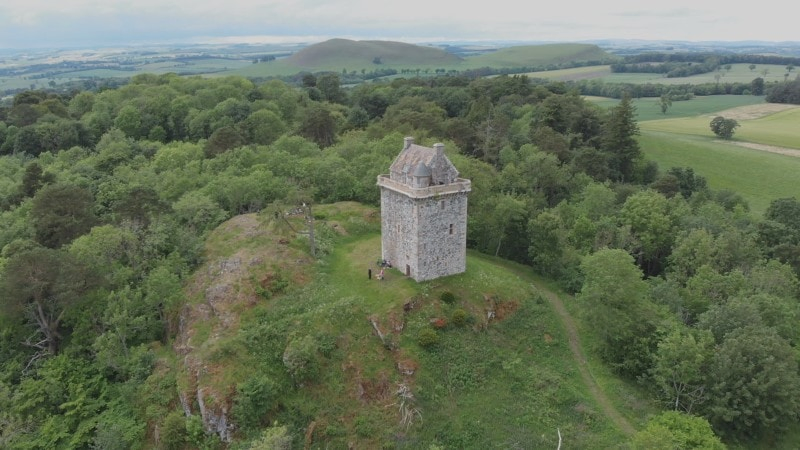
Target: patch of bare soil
[
  {"x": 767, "y": 148},
  {"x": 751, "y": 112}
]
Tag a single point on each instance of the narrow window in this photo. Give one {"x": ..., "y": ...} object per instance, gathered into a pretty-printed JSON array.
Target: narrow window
[
  {"x": 442, "y": 204},
  {"x": 451, "y": 228}
]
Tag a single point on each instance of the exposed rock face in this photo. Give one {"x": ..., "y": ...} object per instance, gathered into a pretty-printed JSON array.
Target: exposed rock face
[
  {"x": 223, "y": 288},
  {"x": 214, "y": 420}
]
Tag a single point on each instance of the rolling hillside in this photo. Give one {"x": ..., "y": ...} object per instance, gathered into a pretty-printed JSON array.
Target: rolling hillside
[
  {"x": 338, "y": 54},
  {"x": 347, "y": 53},
  {"x": 383, "y": 361},
  {"x": 540, "y": 55}
]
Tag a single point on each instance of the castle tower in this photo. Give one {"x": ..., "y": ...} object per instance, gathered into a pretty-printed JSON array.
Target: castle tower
[{"x": 424, "y": 213}]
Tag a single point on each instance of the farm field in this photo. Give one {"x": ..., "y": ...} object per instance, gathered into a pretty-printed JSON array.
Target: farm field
[
  {"x": 739, "y": 73},
  {"x": 648, "y": 109},
  {"x": 760, "y": 176},
  {"x": 774, "y": 127},
  {"x": 538, "y": 55}
]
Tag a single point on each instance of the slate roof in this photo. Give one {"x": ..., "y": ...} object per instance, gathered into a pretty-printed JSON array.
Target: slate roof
[{"x": 417, "y": 160}]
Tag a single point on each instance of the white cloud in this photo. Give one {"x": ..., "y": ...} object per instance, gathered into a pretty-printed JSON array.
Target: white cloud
[{"x": 47, "y": 22}]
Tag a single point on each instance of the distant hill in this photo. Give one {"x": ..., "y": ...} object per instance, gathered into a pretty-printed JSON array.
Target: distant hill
[
  {"x": 338, "y": 54},
  {"x": 541, "y": 55},
  {"x": 347, "y": 53}
]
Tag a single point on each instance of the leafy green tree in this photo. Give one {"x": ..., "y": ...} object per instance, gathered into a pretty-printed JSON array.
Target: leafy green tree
[
  {"x": 173, "y": 431},
  {"x": 723, "y": 127},
  {"x": 61, "y": 212},
  {"x": 262, "y": 127},
  {"x": 40, "y": 285},
  {"x": 57, "y": 135},
  {"x": 129, "y": 120},
  {"x": 665, "y": 102},
  {"x": 619, "y": 140},
  {"x": 754, "y": 384},
  {"x": 199, "y": 211},
  {"x": 648, "y": 215},
  {"x": 547, "y": 235},
  {"x": 107, "y": 250},
  {"x": 255, "y": 397},
  {"x": 276, "y": 437},
  {"x": 757, "y": 86},
  {"x": 33, "y": 179},
  {"x": 28, "y": 141},
  {"x": 679, "y": 368},
  {"x": 222, "y": 140},
  {"x": 319, "y": 125},
  {"x": 414, "y": 113},
  {"x": 675, "y": 430},
  {"x": 615, "y": 298},
  {"x": 330, "y": 87},
  {"x": 301, "y": 360},
  {"x": 508, "y": 221}
]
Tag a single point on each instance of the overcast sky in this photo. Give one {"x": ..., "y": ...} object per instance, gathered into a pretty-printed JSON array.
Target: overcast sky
[{"x": 63, "y": 23}]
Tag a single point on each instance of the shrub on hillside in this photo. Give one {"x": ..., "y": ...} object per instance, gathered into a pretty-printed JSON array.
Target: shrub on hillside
[
  {"x": 427, "y": 337},
  {"x": 300, "y": 359},
  {"x": 448, "y": 297},
  {"x": 459, "y": 317}
]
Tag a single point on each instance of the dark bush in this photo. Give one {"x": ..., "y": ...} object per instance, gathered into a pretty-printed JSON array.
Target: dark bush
[
  {"x": 448, "y": 297},
  {"x": 427, "y": 337},
  {"x": 459, "y": 317}
]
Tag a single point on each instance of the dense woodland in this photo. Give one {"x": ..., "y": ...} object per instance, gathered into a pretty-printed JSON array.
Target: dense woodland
[{"x": 107, "y": 196}]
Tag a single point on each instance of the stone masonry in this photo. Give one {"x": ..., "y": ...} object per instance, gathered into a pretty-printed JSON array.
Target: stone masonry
[{"x": 424, "y": 213}]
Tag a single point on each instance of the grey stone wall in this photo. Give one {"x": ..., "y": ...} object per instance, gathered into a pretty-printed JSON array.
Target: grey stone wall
[{"x": 425, "y": 237}]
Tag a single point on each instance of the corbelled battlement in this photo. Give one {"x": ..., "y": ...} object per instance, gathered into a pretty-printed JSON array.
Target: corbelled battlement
[{"x": 459, "y": 185}]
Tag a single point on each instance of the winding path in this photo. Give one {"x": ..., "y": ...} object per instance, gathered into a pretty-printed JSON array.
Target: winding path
[{"x": 580, "y": 359}]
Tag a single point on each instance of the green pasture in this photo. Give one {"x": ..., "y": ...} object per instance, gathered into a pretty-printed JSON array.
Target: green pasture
[
  {"x": 648, "y": 109},
  {"x": 537, "y": 55},
  {"x": 574, "y": 73},
  {"x": 739, "y": 73},
  {"x": 758, "y": 176},
  {"x": 779, "y": 129},
  {"x": 194, "y": 66}
]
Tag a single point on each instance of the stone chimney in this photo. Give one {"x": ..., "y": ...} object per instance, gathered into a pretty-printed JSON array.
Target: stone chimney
[
  {"x": 407, "y": 142},
  {"x": 439, "y": 149}
]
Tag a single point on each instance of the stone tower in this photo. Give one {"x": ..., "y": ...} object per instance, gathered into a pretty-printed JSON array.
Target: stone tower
[{"x": 424, "y": 213}]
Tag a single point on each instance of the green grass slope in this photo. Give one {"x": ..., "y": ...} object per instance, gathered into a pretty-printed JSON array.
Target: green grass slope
[
  {"x": 367, "y": 381},
  {"x": 758, "y": 176},
  {"x": 649, "y": 108},
  {"x": 539, "y": 55},
  {"x": 761, "y": 125}
]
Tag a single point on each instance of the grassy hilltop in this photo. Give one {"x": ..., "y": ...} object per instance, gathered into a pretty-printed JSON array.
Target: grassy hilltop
[{"x": 383, "y": 362}]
